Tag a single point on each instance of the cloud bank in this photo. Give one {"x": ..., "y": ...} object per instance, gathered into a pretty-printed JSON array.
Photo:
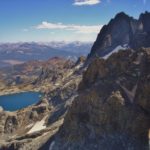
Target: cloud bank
[
  {"x": 86, "y": 2},
  {"x": 84, "y": 29}
]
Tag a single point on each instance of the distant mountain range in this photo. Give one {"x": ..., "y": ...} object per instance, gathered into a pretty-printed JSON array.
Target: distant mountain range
[{"x": 18, "y": 53}]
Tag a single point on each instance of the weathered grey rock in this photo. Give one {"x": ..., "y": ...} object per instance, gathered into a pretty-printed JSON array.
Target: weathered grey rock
[{"x": 112, "y": 106}]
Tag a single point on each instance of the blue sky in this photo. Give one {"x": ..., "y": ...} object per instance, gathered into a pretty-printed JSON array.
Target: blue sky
[{"x": 61, "y": 20}]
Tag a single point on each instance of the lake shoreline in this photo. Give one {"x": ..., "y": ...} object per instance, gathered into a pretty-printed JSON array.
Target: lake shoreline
[
  {"x": 17, "y": 90},
  {"x": 22, "y": 99}
]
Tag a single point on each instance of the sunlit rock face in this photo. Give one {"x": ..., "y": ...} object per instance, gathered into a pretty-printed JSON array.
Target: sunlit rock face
[{"x": 112, "y": 109}]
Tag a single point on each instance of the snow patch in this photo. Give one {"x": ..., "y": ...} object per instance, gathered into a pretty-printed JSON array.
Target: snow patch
[
  {"x": 38, "y": 126},
  {"x": 79, "y": 66},
  {"x": 117, "y": 49},
  {"x": 21, "y": 52},
  {"x": 29, "y": 126}
]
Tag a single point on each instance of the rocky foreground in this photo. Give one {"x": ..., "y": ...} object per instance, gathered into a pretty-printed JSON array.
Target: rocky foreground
[
  {"x": 30, "y": 127},
  {"x": 112, "y": 110}
]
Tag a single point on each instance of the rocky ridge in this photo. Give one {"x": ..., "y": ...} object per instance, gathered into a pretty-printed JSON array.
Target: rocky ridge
[
  {"x": 19, "y": 129},
  {"x": 112, "y": 107},
  {"x": 33, "y": 75},
  {"x": 123, "y": 31}
]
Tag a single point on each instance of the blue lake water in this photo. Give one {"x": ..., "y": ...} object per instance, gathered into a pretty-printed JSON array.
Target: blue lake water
[{"x": 17, "y": 101}]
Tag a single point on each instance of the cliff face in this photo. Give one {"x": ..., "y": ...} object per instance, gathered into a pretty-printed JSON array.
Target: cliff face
[
  {"x": 112, "y": 110},
  {"x": 123, "y": 31}
]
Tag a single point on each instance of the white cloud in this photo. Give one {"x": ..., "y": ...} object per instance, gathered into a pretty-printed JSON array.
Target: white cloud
[
  {"x": 84, "y": 29},
  {"x": 86, "y": 2},
  {"x": 47, "y": 25}
]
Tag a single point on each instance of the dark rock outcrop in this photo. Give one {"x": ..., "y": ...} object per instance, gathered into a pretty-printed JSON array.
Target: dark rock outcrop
[
  {"x": 124, "y": 31},
  {"x": 54, "y": 71},
  {"x": 11, "y": 124}
]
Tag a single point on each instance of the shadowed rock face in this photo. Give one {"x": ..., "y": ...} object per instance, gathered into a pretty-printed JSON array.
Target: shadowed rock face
[
  {"x": 112, "y": 109},
  {"x": 11, "y": 124},
  {"x": 123, "y": 30}
]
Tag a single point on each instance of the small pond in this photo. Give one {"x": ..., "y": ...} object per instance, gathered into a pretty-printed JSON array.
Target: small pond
[{"x": 17, "y": 101}]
